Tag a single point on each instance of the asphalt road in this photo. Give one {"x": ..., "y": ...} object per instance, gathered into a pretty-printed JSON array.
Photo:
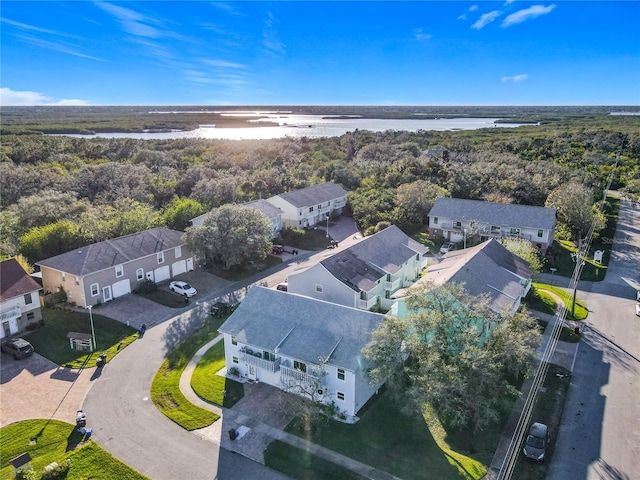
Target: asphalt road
[{"x": 599, "y": 436}]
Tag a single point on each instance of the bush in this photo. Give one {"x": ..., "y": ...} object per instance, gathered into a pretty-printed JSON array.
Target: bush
[
  {"x": 146, "y": 286},
  {"x": 26, "y": 474},
  {"x": 56, "y": 473},
  {"x": 234, "y": 371}
]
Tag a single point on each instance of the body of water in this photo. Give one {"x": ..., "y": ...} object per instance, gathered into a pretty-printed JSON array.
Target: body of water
[{"x": 314, "y": 126}]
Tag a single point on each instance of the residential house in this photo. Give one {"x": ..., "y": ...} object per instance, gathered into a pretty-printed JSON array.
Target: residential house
[
  {"x": 102, "y": 271},
  {"x": 291, "y": 341},
  {"x": 310, "y": 206},
  {"x": 19, "y": 299},
  {"x": 366, "y": 274},
  {"x": 488, "y": 270},
  {"x": 273, "y": 213},
  {"x": 456, "y": 219}
]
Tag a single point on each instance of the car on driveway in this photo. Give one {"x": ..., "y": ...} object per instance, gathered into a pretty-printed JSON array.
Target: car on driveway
[
  {"x": 638, "y": 309},
  {"x": 18, "y": 347},
  {"x": 277, "y": 249},
  {"x": 446, "y": 247},
  {"x": 535, "y": 446},
  {"x": 182, "y": 288}
]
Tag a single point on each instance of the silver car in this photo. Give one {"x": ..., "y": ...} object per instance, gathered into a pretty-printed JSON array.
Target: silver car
[
  {"x": 535, "y": 446},
  {"x": 182, "y": 288}
]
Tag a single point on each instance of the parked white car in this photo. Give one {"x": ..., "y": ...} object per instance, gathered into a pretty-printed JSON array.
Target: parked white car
[
  {"x": 182, "y": 288},
  {"x": 446, "y": 248}
]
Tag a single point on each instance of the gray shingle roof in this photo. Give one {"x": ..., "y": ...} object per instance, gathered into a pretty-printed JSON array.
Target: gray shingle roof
[
  {"x": 302, "y": 328},
  {"x": 265, "y": 207},
  {"x": 487, "y": 269},
  {"x": 99, "y": 256},
  {"x": 14, "y": 281},
  {"x": 362, "y": 264},
  {"x": 314, "y": 195},
  {"x": 499, "y": 214}
]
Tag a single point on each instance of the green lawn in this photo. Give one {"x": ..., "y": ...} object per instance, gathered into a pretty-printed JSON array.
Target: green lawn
[
  {"x": 165, "y": 389},
  {"x": 241, "y": 272},
  {"x": 298, "y": 463},
  {"x": 581, "y": 310},
  {"x": 309, "y": 239},
  {"x": 410, "y": 447},
  {"x": 51, "y": 340},
  {"x": 168, "y": 299},
  {"x": 212, "y": 387},
  {"x": 50, "y": 441}
]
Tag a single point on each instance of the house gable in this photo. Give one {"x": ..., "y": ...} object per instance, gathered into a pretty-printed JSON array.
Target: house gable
[{"x": 14, "y": 281}]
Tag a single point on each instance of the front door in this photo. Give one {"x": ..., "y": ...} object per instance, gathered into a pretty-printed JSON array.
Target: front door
[
  {"x": 6, "y": 328},
  {"x": 252, "y": 372},
  {"x": 190, "y": 264},
  {"x": 106, "y": 293}
]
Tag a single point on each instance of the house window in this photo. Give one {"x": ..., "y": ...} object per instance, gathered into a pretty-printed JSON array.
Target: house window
[
  {"x": 387, "y": 294},
  {"x": 388, "y": 277},
  {"x": 311, "y": 209},
  {"x": 514, "y": 231},
  {"x": 119, "y": 271},
  {"x": 28, "y": 299},
  {"x": 234, "y": 341},
  {"x": 340, "y": 395},
  {"x": 417, "y": 257},
  {"x": 319, "y": 288},
  {"x": 178, "y": 251},
  {"x": 435, "y": 220},
  {"x": 234, "y": 359},
  {"x": 341, "y": 374},
  {"x": 301, "y": 367},
  {"x": 267, "y": 355},
  {"x": 457, "y": 224},
  {"x": 363, "y": 295},
  {"x": 160, "y": 257},
  {"x": 540, "y": 233},
  {"x": 30, "y": 316},
  {"x": 95, "y": 289},
  {"x": 495, "y": 229},
  {"x": 139, "y": 274}
]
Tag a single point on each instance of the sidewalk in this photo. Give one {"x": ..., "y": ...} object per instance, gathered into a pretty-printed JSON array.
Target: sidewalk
[{"x": 255, "y": 435}]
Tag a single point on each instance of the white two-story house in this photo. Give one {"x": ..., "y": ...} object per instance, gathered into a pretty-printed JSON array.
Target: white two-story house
[
  {"x": 19, "y": 299},
  {"x": 294, "y": 342},
  {"x": 310, "y": 206},
  {"x": 106, "y": 270},
  {"x": 366, "y": 274},
  {"x": 456, "y": 218}
]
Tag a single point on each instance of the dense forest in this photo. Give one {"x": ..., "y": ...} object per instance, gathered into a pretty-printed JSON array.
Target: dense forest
[{"x": 60, "y": 192}]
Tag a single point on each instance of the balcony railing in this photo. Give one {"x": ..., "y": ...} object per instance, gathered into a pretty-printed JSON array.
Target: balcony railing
[
  {"x": 262, "y": 363},
  {"x": 392, "y": 285},
  {"x": 291, "y": 375},
  {"x": 15, "y": 312},
  {"x": 367, "y": 304}
]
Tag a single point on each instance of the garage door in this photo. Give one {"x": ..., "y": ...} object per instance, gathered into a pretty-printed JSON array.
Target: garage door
[
  {"x": 162, "y": 273},
  {"x": 179, "y": 267},
  {"x": 121, "y": 288}
]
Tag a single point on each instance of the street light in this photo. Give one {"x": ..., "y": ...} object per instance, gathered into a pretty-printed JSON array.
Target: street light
[
  {"x": 327, "y": 225},
  {"x": 93, "y": 333}
]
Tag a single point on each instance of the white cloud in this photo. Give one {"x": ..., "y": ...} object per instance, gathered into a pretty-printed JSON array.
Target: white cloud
[
  {"x": 527, "y": 14},
  {"x": 224, "y": 64},
  {"x": 25, "y": 26},
  {"x": 486, "y": 18},
  {"x": 26, "y": 98},
  {"x": 473, "y": 8},
  {"x": 269, "y": 35},
  {"x": 508, "y": 2},
  {"x": 516, "y": 78},
  {"x": 420, "y": 35},
  {"x": 57, "y": 46},
  {"x": 132, "y": 21}
]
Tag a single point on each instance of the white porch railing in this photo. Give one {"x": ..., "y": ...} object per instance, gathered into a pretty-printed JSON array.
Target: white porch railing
[
  {"x": 392, "y": 285},
  {"x": 367, "y": 304},
  {"x": 262, "y": 363},
  {"x": 15, "y": 312},
  {"x": 288, "y": 374}
]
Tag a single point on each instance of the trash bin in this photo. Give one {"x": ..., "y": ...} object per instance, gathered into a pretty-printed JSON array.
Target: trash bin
[
  {"x": 233, "y": 434},
  {"x": 101, "y": 361}
]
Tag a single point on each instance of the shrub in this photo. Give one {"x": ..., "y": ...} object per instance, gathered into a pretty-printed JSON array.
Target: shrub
[
  {"x": 56, "y": 473},
  {"x": 26, "y": 474},
  {"x": 234, "y": 371},
  {"x": 146, "y": 286}
]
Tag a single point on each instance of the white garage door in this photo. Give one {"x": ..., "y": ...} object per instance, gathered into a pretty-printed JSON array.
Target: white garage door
[
  {"x": 179, "y": 267},
  {"x": 121, "y": 288},
  {"x": 162, "y": 273}
]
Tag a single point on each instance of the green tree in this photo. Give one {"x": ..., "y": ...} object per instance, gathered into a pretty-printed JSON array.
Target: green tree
[
  {"x": 180, "y": 211},
  {"x": 524, "y": 249},
  {"x": 124, "y": 217},
  {"x": 574, "y": 203},
  {"x": 39, "y": 243},
  {"x": 453, "y": 353},
  {"x": 231, "y": 235},
  {"x": 417, "y": 198}
]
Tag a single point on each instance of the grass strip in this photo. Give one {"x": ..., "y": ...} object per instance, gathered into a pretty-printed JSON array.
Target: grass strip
[
  {"x": 165, "y": 389},
  {"x": 542, "y": 289},
  {"x": 50, "y": 441},
  {"x": 212, "y": 387}
]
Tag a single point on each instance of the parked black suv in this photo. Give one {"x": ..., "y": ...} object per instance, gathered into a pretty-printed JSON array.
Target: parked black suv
[{"x": 18, "y": 347}]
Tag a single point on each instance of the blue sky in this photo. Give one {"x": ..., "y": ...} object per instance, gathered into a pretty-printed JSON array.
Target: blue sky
[{"x": 320, "y": 53}]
